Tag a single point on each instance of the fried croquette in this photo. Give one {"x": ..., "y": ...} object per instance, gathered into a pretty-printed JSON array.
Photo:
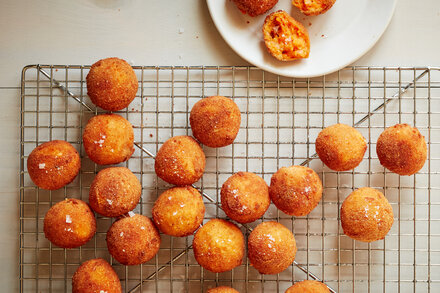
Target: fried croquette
[
  {"x": 179, "y": 211},
  {"x": 245, "y": 197},
  {"x": 95, "y": 275},
  {"x": 255, "y": 7},
  {"x": 111, "y": 84},
  {"x": 313, "y": 7},
  {"x": 219, "y": 246},
  {"x": 180, "y": 161},
  {"x": 308, "y": 286},
  {"x": 366, "y": 215},
  {"x": 108, "y": 139},
  {"x": 133, "y": 240},
  {"x": 69, "y": 223},
  {"x": 215, "y": 121},
  {"x": 114, "y": 191},
  {"x": 222, "y": 289},
  {"x": 340, "y": 147},
  {"x": 402, "y": 149},
  {"x": 271, "y": 248},
  {"x": 53, "y": 164},
  {"x": 285, "y": 38},
  {"x": 295, "y": 190}
]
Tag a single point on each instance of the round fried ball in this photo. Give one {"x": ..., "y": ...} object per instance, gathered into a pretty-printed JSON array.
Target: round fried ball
[
  {"x": 255, "y": 7},
  {"x": 53, "y": 164},
  {"x": 111, "y": 84},
  {"x": 340, "y": 147},
  {"x": 180, "y": 161},
  {"x": 295, "y": 190},
  {"x": 402, "y": 149},
  {"x": 366, "y": 215},
  {"x": 95, "y": 275},
  {"x": 179, "y": 211},
  {"x": 313, "y": 7},
  {"x": 133, "y": 240},
  {"x": 215, "y": 121},
  {"x": 69, "y": 223},
  {"x": 218, "y": 246},
  {"x": 108, "y": 139},
  {"x": 114, "y": 191},
  {"x": 222, "y": 289},
  {"x": 271, "y": 248},
  {"x": 245, "y": 197},
  {"x": 308, "y": 286}
]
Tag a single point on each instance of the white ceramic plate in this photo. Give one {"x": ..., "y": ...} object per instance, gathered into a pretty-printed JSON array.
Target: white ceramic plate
[{"x": 337, "y": 38}]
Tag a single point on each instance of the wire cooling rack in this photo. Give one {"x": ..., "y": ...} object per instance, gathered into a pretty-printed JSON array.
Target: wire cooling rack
[{"x": 281, "y": 118}]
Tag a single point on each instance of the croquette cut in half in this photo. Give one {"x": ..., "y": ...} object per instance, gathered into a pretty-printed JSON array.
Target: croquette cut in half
[
  {"x": 285, "y": 38},
  {"x": 180, "y": 161},
  {"x": 366, "y": 215},
  {"x": 179, "y": 211},
  {"x": 313, "y": 7},
  {"x": 295, "y": 190},
  {"x": 95, "y": 275},
  {"x": 219, "y": 246},
  {"x": 340, "y": 147},
  {"x": 111, "y": 84},
  {"x": 215, "y": 121},
  {"x": 222, "y": 289},
  {"x": 53, "y": 164},
  {"x": 308, "y": 286},
  {"x": 69, "y": 223},
  {"x": 255, "y": 7},
  {"x": 271, "y": 248},
  {"x": 245, "y": 197},
  {"x": 114, "y": 191},
  {"x": 108, "y": 139},
  {"x": 402, "y": 149}
]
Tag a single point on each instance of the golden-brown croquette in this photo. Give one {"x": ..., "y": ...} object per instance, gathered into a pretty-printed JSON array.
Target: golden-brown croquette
[
  {"x": 114, "y": 191},
  {"x": 180, "y": 161},
  {"x": 308, "y": 286},
  {"x": 111, "y": 84},
  {"x": 215, "y": 121},
  {"x": 95, "y": 275},
  {"x": 53, "y": 164},
  {"x": 69, "y": 223},
  {"x": 222, "y": 289},
  {"x": 179, "y": 211},
  {"x": 340, "y": 147},
  {"x": 133, "y": 240},
  {"x": 313, "y": 7},
  {"x": 295, "y": 190},
  {"x": 219, "y": 246},
  {"x": 108, "y": 139},
  {"x": 402, "y": 149},
  {"x": 255, "y": 7},
  {"x": 366, "y": 215}
]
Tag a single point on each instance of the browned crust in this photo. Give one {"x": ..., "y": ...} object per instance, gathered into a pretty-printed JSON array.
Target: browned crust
[
  {"x": 402, "y": 149},
  {"x": 340, "y": 147},
  {"x": 321, "y": 6},
  {"x": 271, "y": 248},
  {"x": 108, "y": 139},
  {"x": 218, "y": 246},
  {"x": 69, "y": 223},
  {"x": 245, "y": 197},
  {"x": 293, "y": 47},
  {"x": 114, "y": 192},
  {"x": 133, "y": 240},
  {"x": 255, "y": 7},
  {"x": 222, "y": 289},
  {"x": 95, "y": 275},
  {"x": 215, "y": 121},
  {"x": 308, "y": 286},
  {"x": 180, "y": 161},
  {"x": 366, "y": 215},
  {"x": 53, "y": 164},
  {"x": 179, "y": 211},
  {"x": 112, "y": 84},
  {"x": 295, "y": 190}
]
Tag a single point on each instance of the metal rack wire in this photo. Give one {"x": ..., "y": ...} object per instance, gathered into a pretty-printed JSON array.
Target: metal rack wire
[{"x": 281, "y": 118}]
